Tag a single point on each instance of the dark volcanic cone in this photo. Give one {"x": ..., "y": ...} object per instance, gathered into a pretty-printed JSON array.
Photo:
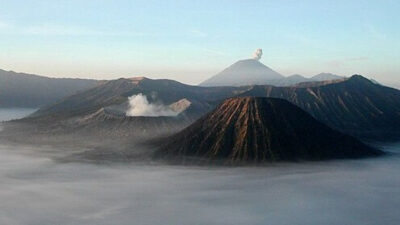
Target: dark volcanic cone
[{"x": 253, "y": 129}]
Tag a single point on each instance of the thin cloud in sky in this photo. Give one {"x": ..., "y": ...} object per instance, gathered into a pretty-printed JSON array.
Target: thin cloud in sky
[
  {"x": 49, "y": 29},
  {"x": 59, "y": 30}
]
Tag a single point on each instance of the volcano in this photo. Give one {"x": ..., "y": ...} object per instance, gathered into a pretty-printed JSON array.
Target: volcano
[
  {"x": 254, "y": 129},
  {"x": 355, "y": 105},
  {"x": 244, "y": 72}
]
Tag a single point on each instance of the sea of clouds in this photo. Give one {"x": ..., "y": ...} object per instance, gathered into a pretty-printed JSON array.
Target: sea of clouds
[{"x": 35, "y": 189}]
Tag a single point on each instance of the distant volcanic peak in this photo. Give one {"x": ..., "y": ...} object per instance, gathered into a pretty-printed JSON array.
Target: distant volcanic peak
[
  {"x": 250, "y": 62},
  {"x": 360, "y": 80},
  {"x": 262, "y": 129},
  {"x": 326, "y": 76},
  {"x": 242, "y": 73},
  {"x": 358, "y": 77},
  {"x": 296, "y": 76}
]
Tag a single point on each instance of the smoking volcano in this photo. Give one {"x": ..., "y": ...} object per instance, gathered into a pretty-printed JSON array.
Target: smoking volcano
[
  {"x": 250, "y": 129},
  {"x": 244, "y": 72}
]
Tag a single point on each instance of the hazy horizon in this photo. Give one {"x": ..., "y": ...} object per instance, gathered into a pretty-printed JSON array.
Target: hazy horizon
[{"x": 191, "y": 41}]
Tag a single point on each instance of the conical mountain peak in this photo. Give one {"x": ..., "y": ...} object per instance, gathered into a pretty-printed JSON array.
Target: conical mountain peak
[
  {"x": 250, "y": 129},
  {"x": 243, "y": 72}
]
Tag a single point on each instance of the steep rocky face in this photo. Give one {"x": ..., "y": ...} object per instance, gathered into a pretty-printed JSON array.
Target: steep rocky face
[
  {"x": 106, "y": 124},
  {"x": 110, "y": 93},
  {"x": 261, "y": 129},
  {"x": 112, "y": 122},
  {"x": 116, "y": 92},
  {"x": 355, "y": 106}
]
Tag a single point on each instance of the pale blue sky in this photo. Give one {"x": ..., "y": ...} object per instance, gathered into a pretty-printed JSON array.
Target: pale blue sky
[{"x": 192, "y": 40}]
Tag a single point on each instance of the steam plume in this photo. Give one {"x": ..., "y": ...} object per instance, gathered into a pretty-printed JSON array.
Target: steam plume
[
  {"x": 257, "y": 54},
  {"x": 140, "y": 106}
]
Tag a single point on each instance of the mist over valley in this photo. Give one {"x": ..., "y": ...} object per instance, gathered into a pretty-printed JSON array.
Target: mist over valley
[{"x": 199, "y": 112}]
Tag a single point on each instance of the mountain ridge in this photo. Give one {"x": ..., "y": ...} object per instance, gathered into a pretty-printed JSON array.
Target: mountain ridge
[
  {"x": 117, "y": 91},
  {"x": 258, "y": 129},
  {"x": 356, "y": 105},
  {"x": 326, "y": 76},
  {"x": 29, "y": 90},
  {"x": 353, "y": 105},
  {"x": 253, "y": 72}
]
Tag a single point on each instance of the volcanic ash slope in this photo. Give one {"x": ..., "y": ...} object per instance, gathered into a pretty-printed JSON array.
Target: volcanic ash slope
[{"x": 255, "y": 129}]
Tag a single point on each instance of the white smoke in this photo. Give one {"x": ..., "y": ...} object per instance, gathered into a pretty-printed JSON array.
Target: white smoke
[
  {"x": 257, "y": 54},
  {"x": 140, "y": 106}
]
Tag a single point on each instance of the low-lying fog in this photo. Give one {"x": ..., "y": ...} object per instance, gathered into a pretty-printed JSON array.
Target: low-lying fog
[
  {"x": 14, "y": 113},
  {"x": 35, "y": 189}
]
